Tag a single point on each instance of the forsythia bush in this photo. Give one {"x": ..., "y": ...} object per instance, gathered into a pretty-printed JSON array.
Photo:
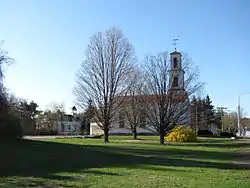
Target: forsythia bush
[{"x": 181, "y": 134}]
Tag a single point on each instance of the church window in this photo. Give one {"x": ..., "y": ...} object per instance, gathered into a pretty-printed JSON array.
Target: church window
[
  {"x": 175, "y": 63},
  {"x": 175, "y": 82}
]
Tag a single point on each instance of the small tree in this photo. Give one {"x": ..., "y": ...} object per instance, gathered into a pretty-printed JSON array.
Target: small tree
[
  {"x": 49, "y": 119},
  {"x": 87, "y": 117},
  {"x": 104, "y": 75},
  {"x": 244, "y": 120},
  {"x": 230, "y": 122}
]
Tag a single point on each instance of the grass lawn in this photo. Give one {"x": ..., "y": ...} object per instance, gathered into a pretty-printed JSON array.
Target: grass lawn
[{"x": 91, "y": 163}]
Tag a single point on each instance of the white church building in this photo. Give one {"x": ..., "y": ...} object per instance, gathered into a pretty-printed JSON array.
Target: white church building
[{"x": 176, "y": 85}]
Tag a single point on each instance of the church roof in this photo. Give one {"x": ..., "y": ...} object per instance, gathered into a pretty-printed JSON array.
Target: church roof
[
  {"x": 175, "y": 52},
  {"x": 178, "y": 97}
]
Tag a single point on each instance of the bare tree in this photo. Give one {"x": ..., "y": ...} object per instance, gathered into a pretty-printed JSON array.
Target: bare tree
[
  {"x": 104, "y": 75},
  {"x": 4, "y": 60},
  {"x": 132, "y": 107},
  {"x": 165, "y": 105},
  {"x": 48, "y": 120},
  {"x": 230, "y": 122},
  {"x": 244, "y": 120},
  {"x": 55, "y": 107},
  {"x": 58, "y": 113}
]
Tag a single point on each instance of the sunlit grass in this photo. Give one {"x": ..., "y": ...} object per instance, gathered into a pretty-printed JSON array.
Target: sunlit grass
[{"x": 122, "y": 163}]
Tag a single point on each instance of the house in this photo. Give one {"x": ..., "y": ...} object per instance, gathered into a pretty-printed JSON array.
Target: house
[
  {"x": 176, "y": 91},
  {"x": 68, "y": 125}
]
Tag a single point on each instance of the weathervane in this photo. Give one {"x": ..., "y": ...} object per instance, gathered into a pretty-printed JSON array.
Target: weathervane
[{"x": 175, "y": 40}]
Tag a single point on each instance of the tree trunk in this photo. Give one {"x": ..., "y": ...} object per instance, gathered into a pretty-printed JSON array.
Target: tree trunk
[
  {"x": 106, "y": 135},
  {"x": 162, "y": 138},
  {"x": 134, "y": 133}
]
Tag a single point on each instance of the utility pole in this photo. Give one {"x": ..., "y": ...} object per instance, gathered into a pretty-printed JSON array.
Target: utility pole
[
  {"x": 239, "y": 131},
  {"x": 222, "y": 114},
  {"x": 239, "y": 112}
]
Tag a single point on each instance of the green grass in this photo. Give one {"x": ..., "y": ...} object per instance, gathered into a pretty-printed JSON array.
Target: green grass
[{"x": 92, "y": 163}]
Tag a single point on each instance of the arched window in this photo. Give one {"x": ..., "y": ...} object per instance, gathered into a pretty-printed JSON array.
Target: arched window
[
  {"x": 175, "y": 62},
  {"x": 175, "y": 82}
]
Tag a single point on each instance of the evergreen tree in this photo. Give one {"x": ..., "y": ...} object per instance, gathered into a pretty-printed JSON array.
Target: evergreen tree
[
  {"x": 192, "y": 111},
  {"x": 209, "y": 111},
  {"x": 202, "y": 112}
]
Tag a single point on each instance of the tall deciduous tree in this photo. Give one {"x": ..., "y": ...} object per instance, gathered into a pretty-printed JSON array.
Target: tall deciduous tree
[
  {"x": 58, "y": 114},
  {"x": 104, "y": 75},
  {"x": 230, "y": 122},
  {"x": 28, "y": 112},
  {"x": 4, "y": 60},
  {"x": 166, "y": 107},
  {"x": 49, "y": 119}
]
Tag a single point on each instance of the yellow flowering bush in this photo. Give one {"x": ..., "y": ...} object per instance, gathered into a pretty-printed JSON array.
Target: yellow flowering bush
[{"x": 181, "y": 134}]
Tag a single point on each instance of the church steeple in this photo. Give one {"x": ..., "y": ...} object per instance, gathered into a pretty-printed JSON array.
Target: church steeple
[{"x": 176, "y": 72}]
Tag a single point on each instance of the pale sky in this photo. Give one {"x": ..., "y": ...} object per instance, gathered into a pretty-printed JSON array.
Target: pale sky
[{"x": 48, "y": 39}]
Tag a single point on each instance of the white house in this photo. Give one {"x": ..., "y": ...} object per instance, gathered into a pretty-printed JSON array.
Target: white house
[
  {"x": 69, "y": 127},
  {"x": 116, "y": 130}
]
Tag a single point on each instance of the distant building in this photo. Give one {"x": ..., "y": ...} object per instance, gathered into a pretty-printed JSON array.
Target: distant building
[{"x": 69, "y": 125}]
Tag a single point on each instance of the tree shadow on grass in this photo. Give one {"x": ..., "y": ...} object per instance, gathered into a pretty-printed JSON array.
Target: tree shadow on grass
[
  {"x": 232, "y": 144},
  {"x": 173, "y": 153},
  {"x": 44, "y": 159}
]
